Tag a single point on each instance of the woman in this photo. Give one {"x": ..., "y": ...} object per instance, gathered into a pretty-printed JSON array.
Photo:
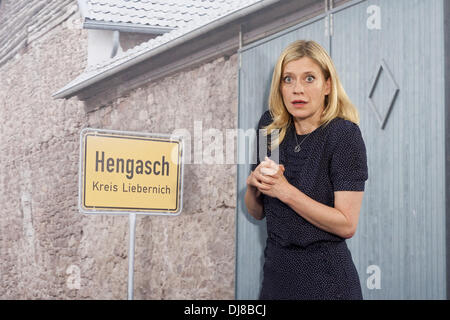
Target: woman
[{"x": 312, "y": 202}]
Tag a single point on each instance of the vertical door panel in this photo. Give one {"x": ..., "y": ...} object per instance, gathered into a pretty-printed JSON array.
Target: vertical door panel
[{"x": 401, "y": 232}]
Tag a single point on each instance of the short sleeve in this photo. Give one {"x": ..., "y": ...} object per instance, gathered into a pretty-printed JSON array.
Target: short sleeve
[
  {"x": 265, "y": 120},
  {"x": 349, "y": 160}
]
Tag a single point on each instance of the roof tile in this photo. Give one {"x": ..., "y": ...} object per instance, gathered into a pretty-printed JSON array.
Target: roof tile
[{"x": 173, "y": 13}]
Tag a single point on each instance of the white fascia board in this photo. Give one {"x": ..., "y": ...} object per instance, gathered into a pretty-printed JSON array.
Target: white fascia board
[{"x": 124, "y": 27}]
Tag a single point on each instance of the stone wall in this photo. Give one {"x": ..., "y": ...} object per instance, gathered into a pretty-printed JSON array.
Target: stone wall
[
  {"x": 48, "y": 249},
  {"x": 22, "y": 22}
]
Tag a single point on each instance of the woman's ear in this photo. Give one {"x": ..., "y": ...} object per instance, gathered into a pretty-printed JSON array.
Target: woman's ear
[{"x": 328, "y": 86}]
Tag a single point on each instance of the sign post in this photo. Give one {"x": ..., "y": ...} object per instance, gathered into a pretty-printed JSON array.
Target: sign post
[
  {"x": 132, "y": 233},
  {"x": 130, "y": 173}
]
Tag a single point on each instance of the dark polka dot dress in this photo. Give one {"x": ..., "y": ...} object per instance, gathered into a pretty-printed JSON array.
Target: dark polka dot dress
[{"x": 301, "y": 260}]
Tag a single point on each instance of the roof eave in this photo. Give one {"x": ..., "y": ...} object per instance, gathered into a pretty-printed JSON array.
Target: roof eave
[{"x": 71, "y": 90}]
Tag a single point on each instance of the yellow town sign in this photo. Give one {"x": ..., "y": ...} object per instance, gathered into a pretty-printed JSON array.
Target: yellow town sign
[{"x": 128, "y": 172}]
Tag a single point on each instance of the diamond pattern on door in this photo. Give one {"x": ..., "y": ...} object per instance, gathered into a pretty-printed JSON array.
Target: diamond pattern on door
[{"x": 382, "y": 99}]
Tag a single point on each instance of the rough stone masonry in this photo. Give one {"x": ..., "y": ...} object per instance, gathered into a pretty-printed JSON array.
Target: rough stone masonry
[{"x": 51, "y": 251}]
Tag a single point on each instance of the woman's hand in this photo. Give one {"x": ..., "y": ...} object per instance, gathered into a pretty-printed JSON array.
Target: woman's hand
[{"x": 274, "y": 184}]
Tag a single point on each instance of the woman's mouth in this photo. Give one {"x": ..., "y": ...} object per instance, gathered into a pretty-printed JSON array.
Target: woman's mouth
[{"x": 299, "y": 103}]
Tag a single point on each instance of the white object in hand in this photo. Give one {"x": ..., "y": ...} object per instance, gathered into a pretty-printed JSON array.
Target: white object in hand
[{"x": 269, "y": 167}]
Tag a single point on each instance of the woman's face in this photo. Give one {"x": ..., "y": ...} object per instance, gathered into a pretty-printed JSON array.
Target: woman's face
[{"x": 304, "y": 88}]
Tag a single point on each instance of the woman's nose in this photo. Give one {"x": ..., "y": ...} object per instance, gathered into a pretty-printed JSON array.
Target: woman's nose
[{"x": 298, "y": 87}]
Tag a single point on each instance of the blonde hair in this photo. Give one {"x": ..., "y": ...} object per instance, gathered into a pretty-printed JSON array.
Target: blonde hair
[{"x": 337, "y": 103}]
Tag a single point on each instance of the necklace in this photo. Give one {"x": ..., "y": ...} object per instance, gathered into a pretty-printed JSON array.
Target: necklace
[{"x": 297, "y": 147}]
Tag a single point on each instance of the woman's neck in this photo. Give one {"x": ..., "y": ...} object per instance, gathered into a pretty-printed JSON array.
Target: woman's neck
[{"x": 305, "y": 126}]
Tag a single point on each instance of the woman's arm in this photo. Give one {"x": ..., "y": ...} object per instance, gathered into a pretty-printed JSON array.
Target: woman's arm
[
  {"x": 340, "y": 220},
  {"x": 253, "y": 202}
]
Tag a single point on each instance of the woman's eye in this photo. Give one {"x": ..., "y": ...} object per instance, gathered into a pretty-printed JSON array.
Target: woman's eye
[
  {"x": 287, "y": 79},
  {"x": 310, "y": 78}
]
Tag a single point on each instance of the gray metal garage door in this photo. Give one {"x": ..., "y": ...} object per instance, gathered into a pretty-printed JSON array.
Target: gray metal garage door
[{"x": 391, "y": 63}]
